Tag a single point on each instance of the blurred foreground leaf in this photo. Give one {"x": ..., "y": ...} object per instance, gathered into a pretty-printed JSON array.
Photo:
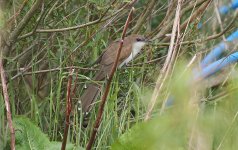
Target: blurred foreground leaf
[{"x": 29, "y": 137}]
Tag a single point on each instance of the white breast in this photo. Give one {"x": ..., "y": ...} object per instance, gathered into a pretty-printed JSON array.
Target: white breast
[{"x": 136, "y": 48}]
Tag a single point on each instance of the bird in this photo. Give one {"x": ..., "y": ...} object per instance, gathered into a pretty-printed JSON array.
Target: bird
[{"x": 132, "y": 45}]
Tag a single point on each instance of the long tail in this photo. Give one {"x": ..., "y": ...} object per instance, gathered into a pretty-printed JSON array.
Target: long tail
[
  {"x": 91, "y": 93},
  {"x": 89, "y": 96}
]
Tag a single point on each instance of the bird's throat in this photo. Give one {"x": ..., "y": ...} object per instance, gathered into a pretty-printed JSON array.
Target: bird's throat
[{"x": 136, "y": 48}]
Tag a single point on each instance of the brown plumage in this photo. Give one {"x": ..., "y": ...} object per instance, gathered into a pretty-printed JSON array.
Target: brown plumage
[{"x": 132, "y": 44}]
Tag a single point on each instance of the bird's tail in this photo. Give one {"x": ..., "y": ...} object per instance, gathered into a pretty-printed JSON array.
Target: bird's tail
[
  {"x": 89, "y": 96},
  {"x": 91, "y": 93}
]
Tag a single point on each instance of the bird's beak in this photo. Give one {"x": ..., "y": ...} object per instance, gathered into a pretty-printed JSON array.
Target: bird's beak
[{"x": 148, "y": 40}]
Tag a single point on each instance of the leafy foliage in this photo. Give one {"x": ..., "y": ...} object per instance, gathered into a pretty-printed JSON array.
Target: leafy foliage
[
  {"x": 30, "y": 137},
  {"x": 37, "y": 65},
  {"x": 183, "y": 125}
]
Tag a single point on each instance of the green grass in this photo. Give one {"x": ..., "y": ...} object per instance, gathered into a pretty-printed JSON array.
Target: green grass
[{"x": 207, "y": 115}]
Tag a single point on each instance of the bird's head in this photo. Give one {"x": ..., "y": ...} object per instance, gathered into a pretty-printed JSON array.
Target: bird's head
[{"x": 138, "y": 41}]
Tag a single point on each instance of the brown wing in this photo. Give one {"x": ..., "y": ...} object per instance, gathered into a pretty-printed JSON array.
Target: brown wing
[
  {"x": 110, "y": 54},
  {"x": 106, "y": 62},
  {"x": 109, "y": 57}
]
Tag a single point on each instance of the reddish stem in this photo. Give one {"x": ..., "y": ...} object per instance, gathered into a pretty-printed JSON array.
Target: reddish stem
[
  {"x": 7, "y": 104},
  {"x": 68, "y": 110},
  {"x": 104, "y": 97}
]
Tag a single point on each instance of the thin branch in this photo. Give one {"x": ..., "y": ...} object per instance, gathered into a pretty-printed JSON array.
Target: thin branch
[
  {"x": 68, "y": 110},
  {"x": 147, "y": 62},
  {"x": 142, "y": 19},
  {"x": 101, "y": 19},
  {"x": 218, "y": 16},
  {"x": 24, "y": 21},
  {"x": 17, "y": 31},
  {"x": 166, "y": 28},
  {"x": 168, "y": 16},
  {"x": 167, "y": 65},
  {"x": 17, "y": 13},
  {"x": 23, "y": 73},
  {"x": 104, "y": 97},
  {"x": 36, "y": 24},
  {"x": 211, "y": 37},
  {"x": 4, "y": 80},
  {"x": 7, "y": 104},
  {"x": 196, "y": 14},
  {"x": 225, "y": 30}
]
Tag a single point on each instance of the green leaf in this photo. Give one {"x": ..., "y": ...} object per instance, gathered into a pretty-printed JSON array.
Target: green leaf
[
  {"x": 30, "y": 137},
  {"x": 57, "y": 145},
  {"x": 161, "y": 133}
]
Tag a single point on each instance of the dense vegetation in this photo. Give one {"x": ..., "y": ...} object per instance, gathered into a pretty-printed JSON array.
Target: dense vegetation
[{"x": 154, "y": 102}]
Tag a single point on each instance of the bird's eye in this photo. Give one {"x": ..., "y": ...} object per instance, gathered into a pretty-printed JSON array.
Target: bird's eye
[{"x": 138, "y": 39}]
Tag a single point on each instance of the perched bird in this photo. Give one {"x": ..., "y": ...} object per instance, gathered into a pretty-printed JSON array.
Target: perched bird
[{"x": 131, "y": 47}]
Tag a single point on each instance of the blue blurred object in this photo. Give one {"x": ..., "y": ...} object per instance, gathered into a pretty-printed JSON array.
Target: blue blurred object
[
  {"x": 208, "y": 66},
  {"x": 218, "y": 50},
  {"x": 208, "y": 71},
  {"x": 170, "y": 101},
  {"x": 226, "y": 8},
  {"x": 217, "y": 66},
  {"x": 234, "y": 4},
  {"x": 199, "y": 26}
]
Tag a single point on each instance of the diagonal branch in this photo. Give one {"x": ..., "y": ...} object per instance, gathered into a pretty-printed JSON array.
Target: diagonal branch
[
  {"x": 68, "y": 109},
  {"x": 167, "y": 65},
  {"x": 104, "y": 97},
  {"x": 17, "y": 31},
  {"x": 101, "y": 19},
  {"x": 24, "y": 21},
  {"x": 7, "y": 104},
  {"x": 144, "y": 16}
]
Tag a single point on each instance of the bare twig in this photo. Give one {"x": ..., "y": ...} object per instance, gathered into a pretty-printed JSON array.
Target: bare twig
[
  {"x": 169, "y": 14},
  {"x": 147, "y": 62},
  {"x": 196, "y": 14},
  {"x": 17, "y": 31},
  {"x": 4, "y": 80},
  {"x": 24, "y": 21},
  {"x": 211, "y": 37},
  {"x": 167, "y": 65},
  {"x": 7, "y": 104},
  {"x": 167, "y": 27},
  {"x": 219, "y": 17},
  {"x": 225, "y": 30},
  {"x": 68, "y": 110},
  {"x": 36, "y": 24},
  {"x": 101, "y": 19},
  {"x": 17, "y": 13},
  {"x": 142, "y": 19},
  {"x": 23, "y": 73},
  {"x": 104, "y": 97}
]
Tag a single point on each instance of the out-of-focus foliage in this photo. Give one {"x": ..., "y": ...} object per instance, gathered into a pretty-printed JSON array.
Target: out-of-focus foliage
[
  {"x": 187, "y": 124},
  {"x": 64, "y": 33},
  {"x": 29, "y": 136}
]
